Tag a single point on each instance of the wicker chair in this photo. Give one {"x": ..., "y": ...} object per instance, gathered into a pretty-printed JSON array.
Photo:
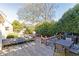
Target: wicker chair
[{"x": 59, "y": 49}]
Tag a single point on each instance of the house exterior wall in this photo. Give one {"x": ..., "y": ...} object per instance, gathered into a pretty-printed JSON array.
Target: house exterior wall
[
  {"x": 5, "y": 27},
  {"x": 2, "y": 31},
  {"x": 8, "y": 28}
]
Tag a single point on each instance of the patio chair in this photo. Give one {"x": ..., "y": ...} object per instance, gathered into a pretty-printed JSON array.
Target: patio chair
[
  {"x": 70, "y": 39},
  {"x": 45, "y": 40},
  {"x": 59, "y": 48},
  {"x": 42, "y": 39}
]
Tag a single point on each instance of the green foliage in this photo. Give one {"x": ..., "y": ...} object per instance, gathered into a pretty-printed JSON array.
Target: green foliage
[
  {"x": 17, "y": 26},
  {"x": 12, "y": 35},
  {"x": 45, "y": 28},
  {"x": 69, "y": 21},
  {"x": 29, "y": 29}
]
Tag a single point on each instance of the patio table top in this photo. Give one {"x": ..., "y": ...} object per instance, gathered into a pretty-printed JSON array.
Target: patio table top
[{"x": 65, "y": 43}]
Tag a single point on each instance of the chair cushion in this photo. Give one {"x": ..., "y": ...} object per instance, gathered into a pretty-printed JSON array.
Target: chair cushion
[
  {"x": 74, "y": 49},
  {"x": 69, "y": 39}
]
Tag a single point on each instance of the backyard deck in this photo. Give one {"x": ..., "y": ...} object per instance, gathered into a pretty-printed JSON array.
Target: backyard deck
[
  {"x": 34, "y": 48},
  {"x": 29, "y": 49}
]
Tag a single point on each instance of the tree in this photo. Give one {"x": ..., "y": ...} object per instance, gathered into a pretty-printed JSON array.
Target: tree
[
  {"x": 17, "y": 26},
  {"x": 39, "y": 11},
  {"x": 45, "y": 28},
  {"x": 69, "y": 21},
  {"x": 29, "y": 29}
]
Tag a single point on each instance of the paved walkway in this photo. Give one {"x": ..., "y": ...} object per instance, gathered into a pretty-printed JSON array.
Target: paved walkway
[{"x": 29, "y": 49}]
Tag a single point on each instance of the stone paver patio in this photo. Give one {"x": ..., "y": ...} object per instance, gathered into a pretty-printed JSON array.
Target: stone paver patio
[{"x": 28, "y": 49}]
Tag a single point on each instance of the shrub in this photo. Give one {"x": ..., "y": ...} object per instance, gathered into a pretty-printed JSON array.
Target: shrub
[
  {"x": 45, "y": 28},
  {"x": 12, "y": 35},
  {"x": 17, "y": 26},
  {"x": 69, "y": 22},
  {"x": 29, "y": 30}
]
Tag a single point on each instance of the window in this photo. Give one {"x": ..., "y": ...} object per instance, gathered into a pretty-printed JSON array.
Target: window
[{"x": 6, "y": 28}]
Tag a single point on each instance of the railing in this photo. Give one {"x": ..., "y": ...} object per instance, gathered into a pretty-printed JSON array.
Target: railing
[{"x": 12, "y": 41}]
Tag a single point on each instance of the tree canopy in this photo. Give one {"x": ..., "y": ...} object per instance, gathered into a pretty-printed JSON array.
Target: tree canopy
[
  {"x": 45, "y": 28},
  {"x": 69, "y": 22},
  {"x": 17, "y": 26},
  {"x": 36, "y": 11}
]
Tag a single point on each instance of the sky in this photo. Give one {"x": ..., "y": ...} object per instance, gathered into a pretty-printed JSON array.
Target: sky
[
  {"x": 61, "y": 8},
  {"x": 10, "y": 9}
]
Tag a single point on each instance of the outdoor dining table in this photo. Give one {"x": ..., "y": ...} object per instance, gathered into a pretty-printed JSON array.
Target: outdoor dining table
[{"x": 65, "y": 43}]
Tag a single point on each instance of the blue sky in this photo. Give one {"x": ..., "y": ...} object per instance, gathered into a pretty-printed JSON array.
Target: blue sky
[
  {"x": 61, "y": 8},
  {"x": 11, "y": 9}
]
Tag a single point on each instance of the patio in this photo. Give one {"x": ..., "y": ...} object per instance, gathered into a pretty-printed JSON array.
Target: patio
[
  {"x": 36, "y": 48},
  {"x": 28, "y": 49}
]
